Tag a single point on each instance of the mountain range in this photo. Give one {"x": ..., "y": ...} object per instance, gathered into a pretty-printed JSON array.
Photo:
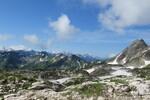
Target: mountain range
[
  {"x": 35, "y": 60},
  {"x": 31, "y": 59},
  {"x": 66, "y": 76},
  {"x": 137, "y": 55}
]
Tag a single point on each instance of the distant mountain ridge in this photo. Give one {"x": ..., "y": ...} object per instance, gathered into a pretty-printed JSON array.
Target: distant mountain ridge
[
  {"x": 86, "y": 57},
  {"x": 21, "y": 59},
  {"x": 136, "y": 55}
]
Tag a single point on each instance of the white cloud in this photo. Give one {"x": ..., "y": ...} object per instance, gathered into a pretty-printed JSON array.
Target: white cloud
[
  {"x": 49, "y": 42},
  {"x": 55, "y": 52},
  {"x": 34, "y": 40},
  {"x": 4, "y": 37},
  {"x": 64, "y": 30},
  {"x": 120, "y": 14},
  {"x": 19, "y": 47}
]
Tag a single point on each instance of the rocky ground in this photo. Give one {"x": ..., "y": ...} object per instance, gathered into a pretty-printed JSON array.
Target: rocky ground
[
  {"x": 117, "y": 88},
  {"x": 81, "y": 86}
]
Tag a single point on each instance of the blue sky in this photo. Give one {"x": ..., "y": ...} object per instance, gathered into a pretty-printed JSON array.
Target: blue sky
[{"x": 96, "y": 27}]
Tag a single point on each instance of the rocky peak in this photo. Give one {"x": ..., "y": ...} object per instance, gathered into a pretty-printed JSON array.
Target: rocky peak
[
  {"x": 139, "y": 43},
  {"x": 133, "y": 54},
  {"x": 135, "y": 48}
]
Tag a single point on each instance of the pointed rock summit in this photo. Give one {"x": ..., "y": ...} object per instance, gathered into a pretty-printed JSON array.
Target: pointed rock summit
[
  {"x": 139, "y": 43},
  {"x": 135, "y": 55}
]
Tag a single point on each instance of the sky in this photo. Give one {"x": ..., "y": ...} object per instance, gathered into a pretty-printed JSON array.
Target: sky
[{"x": 96, "y": 27}]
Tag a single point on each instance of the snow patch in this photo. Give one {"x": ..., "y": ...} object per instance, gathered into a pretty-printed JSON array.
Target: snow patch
[
  {"x": 130, "y": 67},
  {"x": 118, "y": 71},
  {"x": 142, "y": 66},
  {"x": 99, "y": 62},
  {"x": 41, "y": 60},
  {"x": 124, "y": 60},
  {"x": 84, "y": 65},
  {"x": 90, "y": 70},
  {"x": 54, "y": 59},
  {"x": 62, "y": 57},
  {"x": 146, "y": 50},
  {"x": 22, "y": 65},
  {"x": 147, "y": 62},
  {"x": 115, "y": 61},
  {"x": 62, "y": 80},
  {"x": 78, "y": 63}
]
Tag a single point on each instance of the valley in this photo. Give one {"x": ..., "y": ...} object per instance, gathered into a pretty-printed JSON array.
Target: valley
[{"x": 32, "y": 75}]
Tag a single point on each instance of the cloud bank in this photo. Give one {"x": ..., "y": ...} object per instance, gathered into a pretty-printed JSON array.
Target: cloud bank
[
  {"x": 4, "y": 37},
  {"x": 120, "y": 14},
  {"x": 19, "y": 47},
  {"x": 35, "y": 41}
]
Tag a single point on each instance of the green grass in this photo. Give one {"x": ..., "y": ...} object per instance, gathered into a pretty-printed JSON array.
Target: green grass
[
  {"x": 32, "y": 80},
  {"x": 15, "y": 75},
  {"x": 26, "y": 86},
  {"x": 6, "y": 88},
  {"x": 4, "y": 82},
  {"x": 20, "y": 77},
  {"x": 95, "y": 89},
  {"x": 118, "y": 81},
  {"x": 77, "y": 81},
  {"x": 12, "y": 77},
  {"x": 121, "y": 76},
  {"x": 2, "y": 97}
]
